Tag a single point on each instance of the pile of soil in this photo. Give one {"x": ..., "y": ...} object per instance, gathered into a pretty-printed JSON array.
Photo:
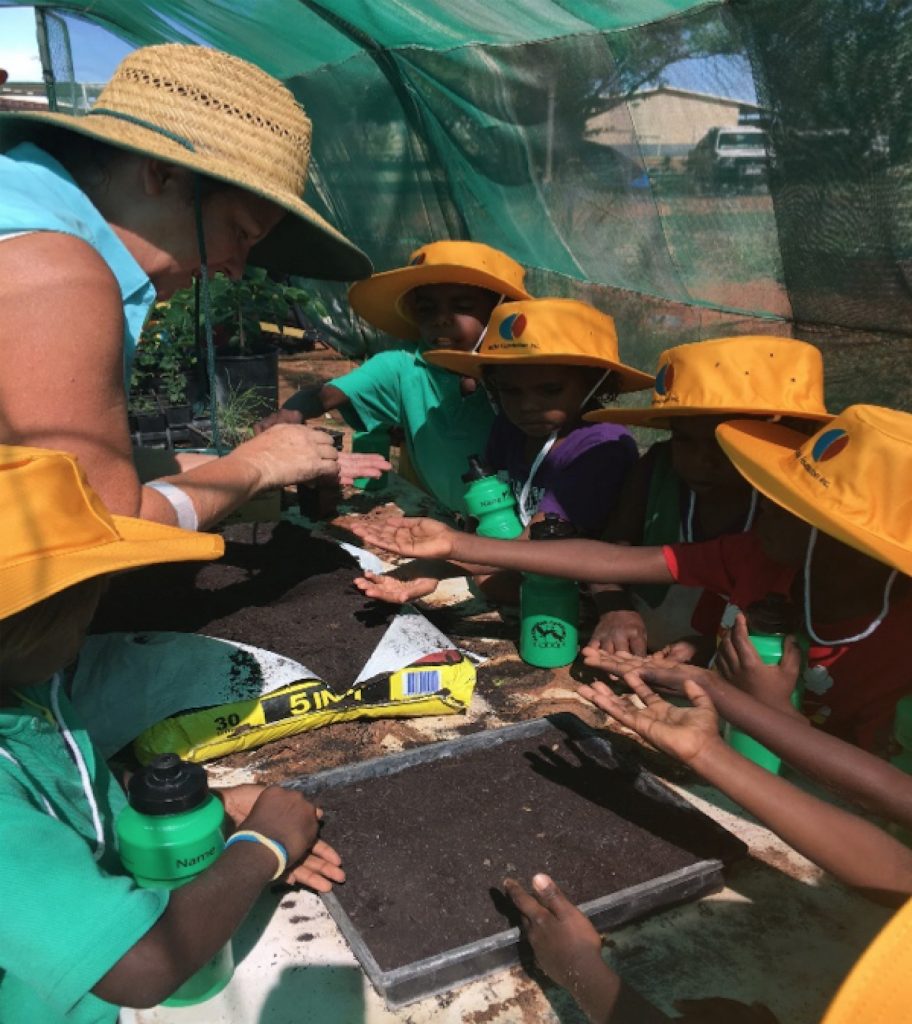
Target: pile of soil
[
  {"x": 276, "y": 587},
  {"x": 426, "y": 850}
]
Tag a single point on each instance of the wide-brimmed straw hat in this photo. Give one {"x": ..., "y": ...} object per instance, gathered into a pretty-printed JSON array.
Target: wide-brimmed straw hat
[
  {"x": 219, "y": 115},
  {"x": 56, "y": 532},
  {"x": 754, "y": 375},
  {"x": 379, "y": 299},
  {"x": 847, "y": 480},
  {"x": 555, "y": 332}
]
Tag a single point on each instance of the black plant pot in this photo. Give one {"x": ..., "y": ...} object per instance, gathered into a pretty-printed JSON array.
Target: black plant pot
[
  {"x": 178, "y": 415},
  {"x": 258, "y": 372}
]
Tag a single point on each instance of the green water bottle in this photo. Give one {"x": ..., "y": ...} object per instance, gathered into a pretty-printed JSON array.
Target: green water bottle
[
  {"x": 169, "y": 833},
  {"x": 769, "y": 622},
  {"x": 491, "y": 502},
  {"x": 549, "y": 607},
  {"x": 901, "y": 755},
  {"x": 376, "y": 440}
]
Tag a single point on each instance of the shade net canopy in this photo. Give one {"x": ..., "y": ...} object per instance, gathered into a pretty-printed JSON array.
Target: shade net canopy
[{"x": 696, "y": 169}]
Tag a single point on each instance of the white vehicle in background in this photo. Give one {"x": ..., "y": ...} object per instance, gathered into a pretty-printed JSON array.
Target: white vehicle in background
[{"x": 730, "y": 158}]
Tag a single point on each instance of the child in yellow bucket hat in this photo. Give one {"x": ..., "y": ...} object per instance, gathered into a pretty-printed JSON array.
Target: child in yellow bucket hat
[
  {"x": 443, "y": 297},
  {"x": 685, "y": 489},
  {"x": 544, "y": 361},
  {"x": 832, "y": 482},
  {"x": 850, "y": 581},
  {"x": 78, "y": 938}
]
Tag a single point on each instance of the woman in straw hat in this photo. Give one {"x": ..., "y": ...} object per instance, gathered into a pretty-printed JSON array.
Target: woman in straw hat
[
  {"x": 849, "y": 577},
  {"x": 685, "y": 489},
  {"x": 190, "y": 161},
  {"x": 78, "y": 938}
]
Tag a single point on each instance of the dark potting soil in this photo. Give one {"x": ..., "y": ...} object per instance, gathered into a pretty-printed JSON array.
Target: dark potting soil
[
  {"x": 426, "y": 850},
  {"x": 276, "y": 587}
]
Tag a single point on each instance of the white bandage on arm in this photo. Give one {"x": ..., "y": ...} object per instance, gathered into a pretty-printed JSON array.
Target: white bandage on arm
[{"x": 179, "y": 500}]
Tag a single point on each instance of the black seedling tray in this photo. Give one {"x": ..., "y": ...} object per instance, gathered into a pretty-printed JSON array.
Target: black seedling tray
[{"x": 427, "y": 975}]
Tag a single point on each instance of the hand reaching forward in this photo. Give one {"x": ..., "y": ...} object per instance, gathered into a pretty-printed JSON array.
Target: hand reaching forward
[
  {"x": 685, "y": 733},
  {"x": 415, "y": 538},
  {"x": 386, "y": 587},
  {"x": 738, "y": 661},
  {"x": 566, "y": 945}
]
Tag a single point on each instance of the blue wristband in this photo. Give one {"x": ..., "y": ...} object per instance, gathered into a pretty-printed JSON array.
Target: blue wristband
[{"x": 249, "y": 836}]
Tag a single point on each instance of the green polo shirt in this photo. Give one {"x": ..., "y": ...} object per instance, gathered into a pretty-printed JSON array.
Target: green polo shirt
[
  {"x": 67, "y": 918},
  {"x": 442, "y": 426}
]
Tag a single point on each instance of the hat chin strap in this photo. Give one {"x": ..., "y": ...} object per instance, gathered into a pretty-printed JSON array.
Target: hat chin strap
[
  {"x": 692, "y": 508},
  {"x": 484, "y": 330},
  {"x": 203, "y": 284},
  {"x": 525, "y": 517},
  {"x": 864, "y": 634}
]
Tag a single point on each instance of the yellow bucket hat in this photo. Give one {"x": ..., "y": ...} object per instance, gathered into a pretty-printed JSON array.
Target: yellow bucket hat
[
  {"x": 555, "y": 332},
  {"x": 752, "y": 374},
  {"x": 878, "y": 989},
  {"x": 219, "y": 115},
  {"x": 56, "y": 532},
  {"x": 378, "y": 299},
  {"x": 846, "y": 480}
]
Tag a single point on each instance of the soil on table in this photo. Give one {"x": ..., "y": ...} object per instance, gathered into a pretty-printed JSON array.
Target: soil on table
[
  {"x": 276, "y": 587},
  {"x": 426, "y": 850}
]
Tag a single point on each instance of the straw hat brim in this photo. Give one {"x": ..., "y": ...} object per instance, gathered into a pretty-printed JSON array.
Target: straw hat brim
[
  {"x": 143, "y": 543},
  {"x": 756, "y": 449},
  {"x": 661, "y": 419},
  {"x": 303, "y": 244},
  {"x": 472, "y": 364},
  {"x": 377, "y": 298}
]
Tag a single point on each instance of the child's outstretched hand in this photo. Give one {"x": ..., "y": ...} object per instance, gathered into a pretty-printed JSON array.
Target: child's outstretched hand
[
  {"x": 566, "y": 945},
  {"x": 738, "y": 661},
  {"x": 685, "y": 733},
  {"x": 288, "y": 817},
  {"x": 385, "y": 587},
  {"x": 415, "y": 538}
]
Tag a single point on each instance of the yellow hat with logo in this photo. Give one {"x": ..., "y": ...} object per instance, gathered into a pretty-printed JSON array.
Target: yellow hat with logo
[
  {"x": 847, "y": 479},
  {"x": 56, "y": 532},
  {"x": 756, "y": 375},
  {"x": 878, "y": 989},
  {"x": 378, "y": 299},
  {"x": 548, "y": 332}
]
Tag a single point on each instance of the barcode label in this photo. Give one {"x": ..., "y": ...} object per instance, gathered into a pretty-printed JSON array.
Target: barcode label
[{"x": 427, "y": 681}]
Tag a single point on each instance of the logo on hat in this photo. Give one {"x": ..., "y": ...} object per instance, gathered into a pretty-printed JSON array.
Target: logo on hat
[
  {"x": 419, "y": 259},
  {"x": 664, "y": 379},
  {"x": 829, "y": 444},
  {"x": 512, "y": 326}
]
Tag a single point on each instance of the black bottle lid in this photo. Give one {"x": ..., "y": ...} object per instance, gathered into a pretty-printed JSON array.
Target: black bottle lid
[
  {"x": 773, "y": 615},
  {"x": 167, "y": 786},
  {"x": 552, "y": 527},
  {"x": 477, "y": 470}
]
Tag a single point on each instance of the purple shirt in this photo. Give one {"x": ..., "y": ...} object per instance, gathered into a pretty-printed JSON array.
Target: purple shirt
[{"x": 580, "y": 478}]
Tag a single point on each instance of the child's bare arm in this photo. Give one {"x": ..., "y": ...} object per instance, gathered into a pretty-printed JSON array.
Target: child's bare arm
[
  {"x": 853, "y": 773},
  {"x": 569, "y": 950},
  {"x": 852, "y": 849},
  {"x": 202, "y": 915},
  {"x": 588, "y": 561}
]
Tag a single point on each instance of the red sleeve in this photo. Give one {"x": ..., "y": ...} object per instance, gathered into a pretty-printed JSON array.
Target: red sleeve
[{"x": 706, "y": 564}]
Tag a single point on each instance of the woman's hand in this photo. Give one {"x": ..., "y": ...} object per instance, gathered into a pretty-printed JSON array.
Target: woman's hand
[
  {"x": 385, "y": 587},
  {"x": 357, "y": 464},
  {"x": 415, "y": 538},
  {"x": 737, "y": 661},
  {"x": 685, "y": 733},
  {"x": 619, "y": 631}
]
